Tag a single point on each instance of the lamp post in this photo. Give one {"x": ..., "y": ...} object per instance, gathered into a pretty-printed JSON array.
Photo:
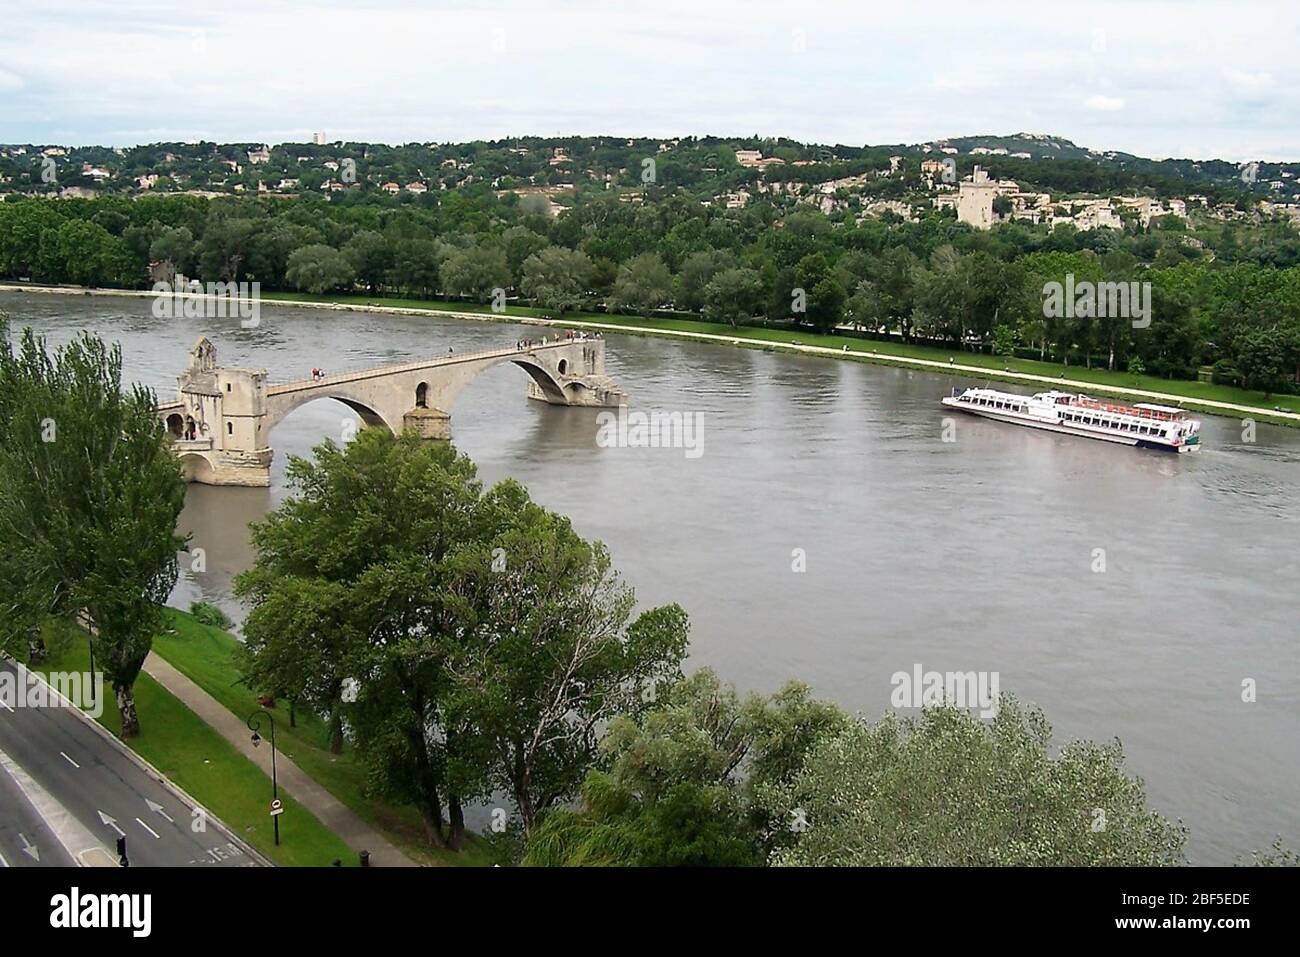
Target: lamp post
[{"x": 254, "y": 725}]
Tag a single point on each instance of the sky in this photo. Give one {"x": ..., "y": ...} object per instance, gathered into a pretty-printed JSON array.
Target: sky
[{"x": 1181, "y": 78}]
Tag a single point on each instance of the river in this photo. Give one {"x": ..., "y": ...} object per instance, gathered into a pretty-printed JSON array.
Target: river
[{"x": 972, "y": 555}]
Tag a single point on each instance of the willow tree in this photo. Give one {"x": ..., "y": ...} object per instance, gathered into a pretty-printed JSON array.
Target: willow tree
[
  {"x": 944, "y": 789},
  {"x": 89, "y": 497}
]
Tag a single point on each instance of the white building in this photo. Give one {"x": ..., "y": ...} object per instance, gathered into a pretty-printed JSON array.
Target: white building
[{"x": 318, "y": 138}]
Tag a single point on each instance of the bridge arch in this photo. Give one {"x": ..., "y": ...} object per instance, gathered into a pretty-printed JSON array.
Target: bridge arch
[
  {"x": 282, "y": 406},
  {"x": 545, "y": 380},
  {"x": 197, "y": 468}
]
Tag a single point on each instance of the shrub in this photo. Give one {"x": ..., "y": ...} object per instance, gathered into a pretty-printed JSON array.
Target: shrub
[{"x": 209, "y": 614}]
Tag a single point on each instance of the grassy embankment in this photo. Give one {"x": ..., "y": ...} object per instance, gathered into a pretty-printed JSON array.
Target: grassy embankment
[
  {"x": 205, "y": 655},
  {"x": 183, "y": 747},
  {"x": 868, "y": 350}
]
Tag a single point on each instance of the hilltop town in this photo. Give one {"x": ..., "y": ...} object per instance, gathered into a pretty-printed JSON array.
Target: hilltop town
[{"x": 1031, "y": 179}]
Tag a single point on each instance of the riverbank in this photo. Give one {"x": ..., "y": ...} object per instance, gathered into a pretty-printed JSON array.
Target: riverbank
[
  {"x": 207, "y": 657},
  {"x": 1194, "y": 396}
]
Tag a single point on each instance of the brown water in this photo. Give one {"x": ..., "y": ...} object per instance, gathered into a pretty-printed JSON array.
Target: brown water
[{"x": 970, "y": 555}]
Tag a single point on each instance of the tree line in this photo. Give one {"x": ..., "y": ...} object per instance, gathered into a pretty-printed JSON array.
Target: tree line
[{"x": 1225, "y": 296}]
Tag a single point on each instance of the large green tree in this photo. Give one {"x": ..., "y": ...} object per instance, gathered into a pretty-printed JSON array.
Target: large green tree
[
  {"x": 557, "y": 277},
  {"x": 471, "y": 639},
  {"x": 89, "y": 496}
]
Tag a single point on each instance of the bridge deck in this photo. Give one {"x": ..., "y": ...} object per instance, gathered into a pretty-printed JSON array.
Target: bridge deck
[{"x": 298, "y": 385}]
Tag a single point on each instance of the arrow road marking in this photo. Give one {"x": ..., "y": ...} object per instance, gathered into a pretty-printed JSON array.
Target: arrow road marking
[
  {"x": 148, "y": 828},
  {"x": 111, "y": 822},
  {"x": 69, "y": 760},
  {"x": 29, "y": 848},
  {"x": 158, "y": 809}
]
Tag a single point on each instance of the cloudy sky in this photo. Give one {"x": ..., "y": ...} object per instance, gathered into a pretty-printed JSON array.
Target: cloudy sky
[{"x": 1200, "y": 78}]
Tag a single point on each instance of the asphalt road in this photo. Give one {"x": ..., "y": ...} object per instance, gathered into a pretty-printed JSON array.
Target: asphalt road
[
  {"x": 64, "y": 783},
  {"x": 25, "y": 839}
]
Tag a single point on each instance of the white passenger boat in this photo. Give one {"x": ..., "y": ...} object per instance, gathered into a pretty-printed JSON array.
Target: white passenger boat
[{"x": 1142, "y": 424}]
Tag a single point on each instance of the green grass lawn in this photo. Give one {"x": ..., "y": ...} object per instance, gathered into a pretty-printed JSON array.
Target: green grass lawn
[
  {"x": 1188, "y": 390},
  {"x": 185, "y": 749},
  {"x": 205, "y": 655}
]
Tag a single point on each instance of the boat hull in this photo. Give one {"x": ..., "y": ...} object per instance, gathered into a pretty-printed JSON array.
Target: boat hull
[{"x": 1062, "y": 428}]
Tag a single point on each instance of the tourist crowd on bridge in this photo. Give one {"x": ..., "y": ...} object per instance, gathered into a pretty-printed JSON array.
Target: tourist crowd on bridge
[{"x": 570, "y": 336}]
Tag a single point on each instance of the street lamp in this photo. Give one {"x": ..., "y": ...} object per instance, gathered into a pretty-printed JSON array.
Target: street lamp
[{"x": 254, "y": 725}]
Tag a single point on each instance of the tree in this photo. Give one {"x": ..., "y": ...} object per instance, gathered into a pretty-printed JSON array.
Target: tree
[
  {"x": 681, "y": 778},
  {"x": 554, "y": 656},
  {"x": 174, "y": 246},
  {"x": 87, "y": 254},
  {"x": 557, "y": 277},
  {"x": 21, "y": 225},
  {"x": 946, "y": 789},
  {"x": 416, "y": 265},
  {"x": 227, "y": 241},
  {"x": 644, "y": 283},
  {"x": 371, "y": 257},
  {"x": 520, "y": 243},
  {"x": 319, "y": 269},
  {"x": 822, "y": 292},
  {"x": 468, "y": 674},
  {"x": 697, "y": 270},
  {"x": 89, "y": 497},
  {"x": 1004, "y": 340},
  {"x": 352, "y": 581},
  {"x": 732, "y": 296},
  {"x": 476, "y": 272},
  {"x": 1261, "y": 359}
]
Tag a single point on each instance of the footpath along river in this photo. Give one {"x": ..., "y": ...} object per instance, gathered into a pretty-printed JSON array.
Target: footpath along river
[{"x": 971, "y": 555}]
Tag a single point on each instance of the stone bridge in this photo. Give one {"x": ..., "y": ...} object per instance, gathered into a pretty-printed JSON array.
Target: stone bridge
[{"x": 222, "y": 421}]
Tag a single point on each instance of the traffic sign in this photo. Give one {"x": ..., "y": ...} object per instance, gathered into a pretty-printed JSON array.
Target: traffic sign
[{"x": 276, "y": 807}]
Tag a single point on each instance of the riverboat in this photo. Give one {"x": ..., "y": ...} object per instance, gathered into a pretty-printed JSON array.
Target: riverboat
[{"x": 1142, "y": 424}]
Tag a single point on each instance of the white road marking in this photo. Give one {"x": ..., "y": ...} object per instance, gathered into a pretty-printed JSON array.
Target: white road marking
[
  {"x": 158, "y": 809},
  {"x": 29, "y": 848},
  {"x": 3, "y": 862},
  {"x": 67, "y": 830},
  {"x": 112, "y": 822},
  {"x": 148, "y": 828},
  {"x": 69, "y": 760},
  {"x": 5, "y": 704}
]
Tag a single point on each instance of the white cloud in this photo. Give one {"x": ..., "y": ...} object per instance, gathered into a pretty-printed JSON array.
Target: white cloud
[
  {"x": 1104, "y": 104},
  {"x": 1246, "y": 82},
  {"x": 401, "y": 70}
]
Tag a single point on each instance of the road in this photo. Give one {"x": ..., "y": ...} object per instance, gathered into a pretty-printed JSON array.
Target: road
[
  {"x": 25, "y": 839},
  {"x": 68, "y": 792}
]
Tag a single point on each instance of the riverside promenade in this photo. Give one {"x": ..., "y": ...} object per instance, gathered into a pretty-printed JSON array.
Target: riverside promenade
[{"x": 329, "y": 810}]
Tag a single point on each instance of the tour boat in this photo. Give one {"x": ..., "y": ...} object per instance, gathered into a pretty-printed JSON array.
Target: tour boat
[{"x": 1145, "y": 425}]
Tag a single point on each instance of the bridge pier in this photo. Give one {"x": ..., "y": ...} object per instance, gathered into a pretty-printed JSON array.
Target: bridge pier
[
  {"x": 222, "y": 419},
  {"x": 428, "y": 423}
]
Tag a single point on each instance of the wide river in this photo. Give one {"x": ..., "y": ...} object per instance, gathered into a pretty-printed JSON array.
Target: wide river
[{"x": 971, "y": 555}]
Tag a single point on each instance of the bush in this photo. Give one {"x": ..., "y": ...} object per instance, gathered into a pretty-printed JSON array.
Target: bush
[
  {"x": 207, "y": 613},
  {"x": 1224, "y": 372}
]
